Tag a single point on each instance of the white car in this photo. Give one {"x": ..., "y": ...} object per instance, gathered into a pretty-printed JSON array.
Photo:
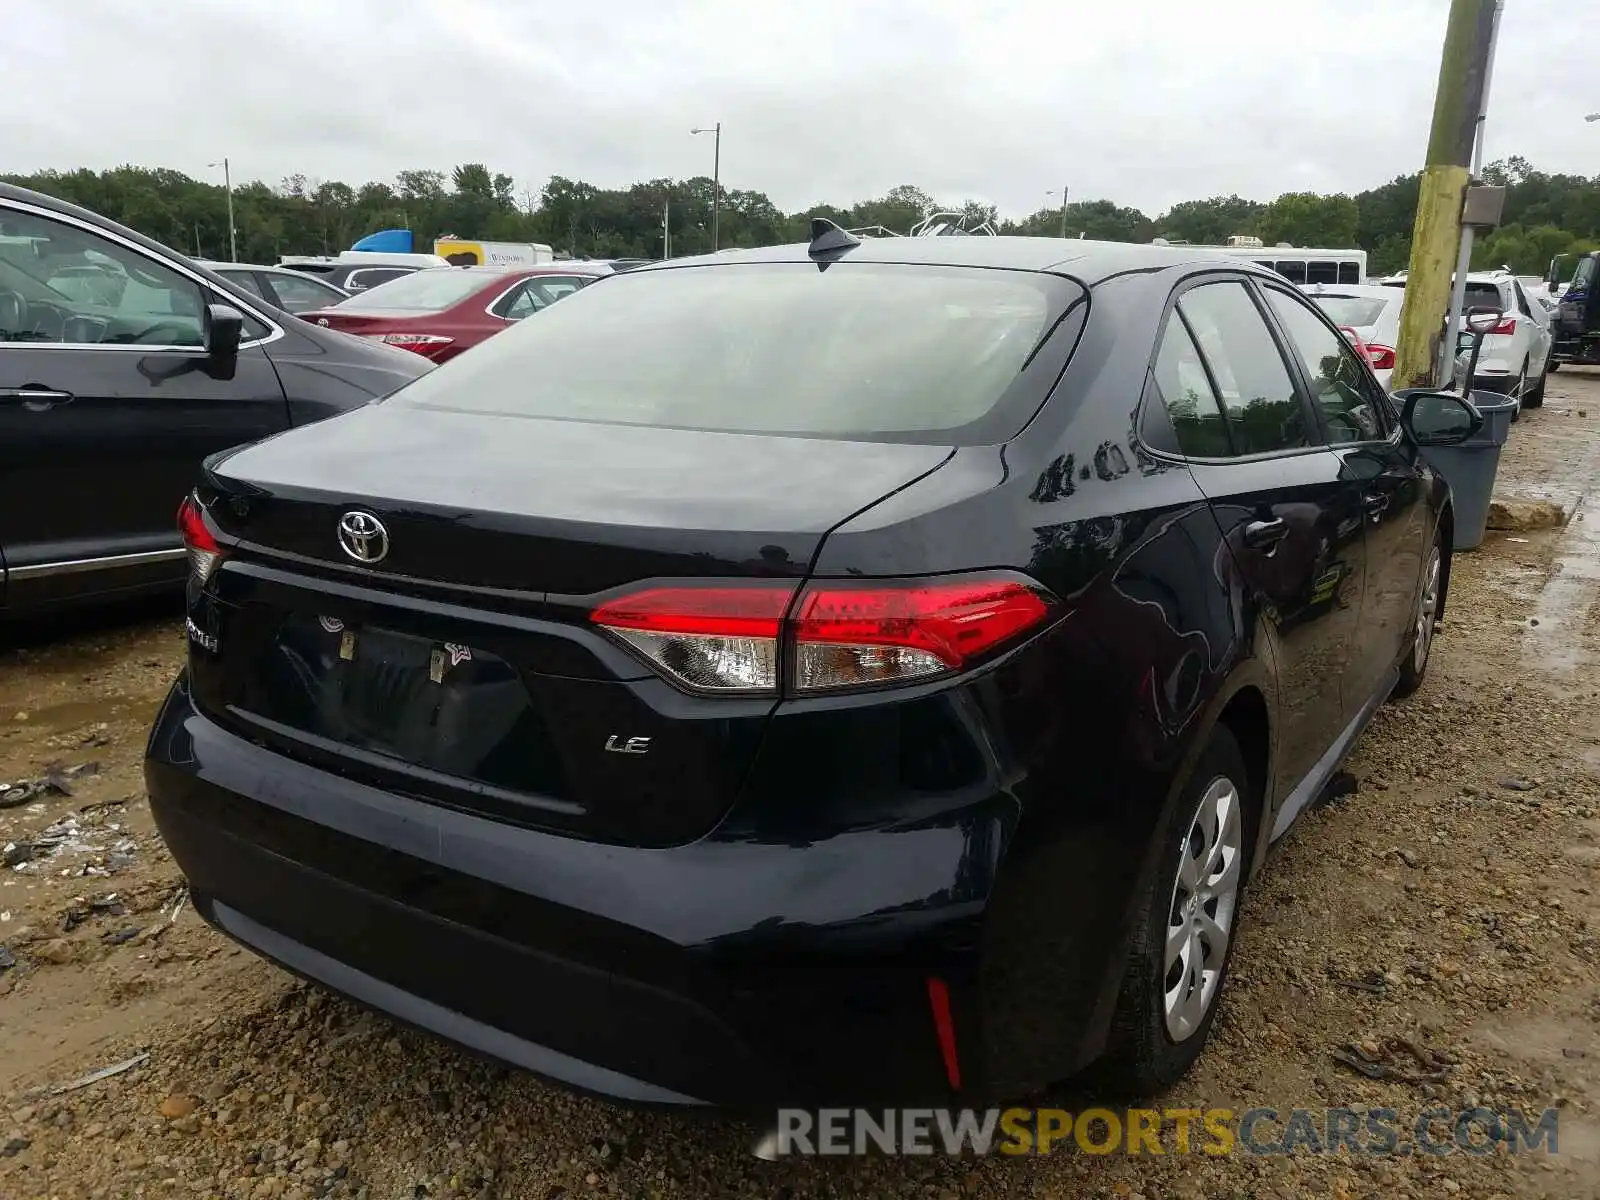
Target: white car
[
  {"x": 1372, "y": 311},
  {"x": 1516, "y": 355}
]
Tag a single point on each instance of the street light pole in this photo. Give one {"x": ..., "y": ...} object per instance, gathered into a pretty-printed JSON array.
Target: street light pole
[
  {"x": 233, "y": 236},
  {"x": 1065, "y": 191},
  {"x": 716, "y": 177}
]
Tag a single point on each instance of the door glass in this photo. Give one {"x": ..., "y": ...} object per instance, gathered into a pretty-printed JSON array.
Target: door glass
[
  {"x": 1258, "y": 394},
  {"x": 1339, "y": 383},
  {"x": 62, "y": 283},
  {"x": 297, "y": 295},
  {"x": 1182, "y": 386}
]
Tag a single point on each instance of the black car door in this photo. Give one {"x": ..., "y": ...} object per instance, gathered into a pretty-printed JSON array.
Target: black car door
[
  {"x": 1359, "y": 426},
  {"x": 1288, "y": 514},
  {"x": 108, "y": 403}
]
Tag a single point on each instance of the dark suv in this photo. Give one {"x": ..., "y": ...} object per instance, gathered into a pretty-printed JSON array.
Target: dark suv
[
  {"x": 837, "y": 672},
  {"x": 122, "y": 365}
]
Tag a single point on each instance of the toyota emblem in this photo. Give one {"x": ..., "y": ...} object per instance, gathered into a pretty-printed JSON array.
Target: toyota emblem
[{"x": 363, "y": 537}]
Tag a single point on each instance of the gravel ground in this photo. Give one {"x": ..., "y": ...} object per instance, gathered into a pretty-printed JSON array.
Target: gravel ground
[{"x": 1449, "y": 900}]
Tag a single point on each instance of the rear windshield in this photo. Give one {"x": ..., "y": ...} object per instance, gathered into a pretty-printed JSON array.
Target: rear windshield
[
  {"x": 1482, "y": 295},
  {"x": 870, "y": 350},
  {"x": 1358, "y": 311},
  {"x": 430, "y": 290}
]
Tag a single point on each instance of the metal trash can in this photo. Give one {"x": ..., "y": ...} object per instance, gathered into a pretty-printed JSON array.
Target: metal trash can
[{"x": 1470, "y": 468}]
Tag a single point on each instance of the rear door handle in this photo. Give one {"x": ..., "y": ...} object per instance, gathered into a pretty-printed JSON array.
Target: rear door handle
[
  {"x": 1265, "y": 533},
  {"x": 35, "y": 399}
]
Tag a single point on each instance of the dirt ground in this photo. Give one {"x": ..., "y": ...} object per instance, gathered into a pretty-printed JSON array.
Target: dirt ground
[{"x": 1449, "y": 900}]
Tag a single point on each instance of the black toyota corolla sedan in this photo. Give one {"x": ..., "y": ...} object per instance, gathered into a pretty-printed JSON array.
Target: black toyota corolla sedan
[{"x": 863, "y": 670}]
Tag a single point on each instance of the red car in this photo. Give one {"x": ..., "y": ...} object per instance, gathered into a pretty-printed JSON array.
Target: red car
[{"x": 441, "y": 311}]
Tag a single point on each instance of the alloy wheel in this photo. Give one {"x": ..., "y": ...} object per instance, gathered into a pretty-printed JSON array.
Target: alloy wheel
[
  {"x": 1205, "y": 900},
  {"x": 1427, "y": 613}
]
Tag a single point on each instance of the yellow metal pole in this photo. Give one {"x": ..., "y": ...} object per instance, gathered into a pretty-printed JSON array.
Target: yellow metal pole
[{"x": 1436, "y": 237}]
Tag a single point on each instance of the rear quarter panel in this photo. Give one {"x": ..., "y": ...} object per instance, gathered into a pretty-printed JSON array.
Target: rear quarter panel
[{"x": 1090, "y": 729}]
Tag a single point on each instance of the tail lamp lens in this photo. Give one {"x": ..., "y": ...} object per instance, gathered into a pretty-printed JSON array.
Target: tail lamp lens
[
  {"x": 1381, "y": 357},
  {"x": 843, "y": 634},
  {"x": 204, "y": 551}
]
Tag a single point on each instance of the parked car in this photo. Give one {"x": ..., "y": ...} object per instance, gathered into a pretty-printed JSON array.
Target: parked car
[
  {"x": 751, "y": 681},
  {"x": 292, "y": 291},
  {"x": 122, "y": 365},
  {"x": 358, "y": 270},
  {"x": 1515, "y": 359},
  {"x": 1372, "y": 311},
  {"x": 439, "y": 313}
]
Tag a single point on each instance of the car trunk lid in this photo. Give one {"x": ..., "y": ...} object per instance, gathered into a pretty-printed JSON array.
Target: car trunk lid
[{"x": 460, "y": 666}]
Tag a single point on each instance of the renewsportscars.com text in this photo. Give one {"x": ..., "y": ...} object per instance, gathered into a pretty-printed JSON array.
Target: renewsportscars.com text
[{"x": 1216, "y": 1132}]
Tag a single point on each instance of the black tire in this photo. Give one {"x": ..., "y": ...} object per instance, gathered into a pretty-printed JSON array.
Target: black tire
[
  {"x": 1535, "y": 396},
  {"x": 1414, "y": 667},
  {"x": 1553, "y": 367},
  {"x": 1142, "y": 1057}
]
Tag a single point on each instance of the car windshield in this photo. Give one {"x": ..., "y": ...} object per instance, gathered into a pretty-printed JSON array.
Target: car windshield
[
  {"x": 854, "y": 350},
  {"x": 1358, "y": 311},
  {"x": 431, "y": 290}
]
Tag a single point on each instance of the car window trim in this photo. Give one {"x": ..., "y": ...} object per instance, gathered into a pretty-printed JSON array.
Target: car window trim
[
  {"x": 1199, "y": 279},
  {"x": 1299, "y": 367},
  {"x": 508, "y": 292},
  {"x": 1192, "y": 279},
  {"x": 207, "y": 288}
]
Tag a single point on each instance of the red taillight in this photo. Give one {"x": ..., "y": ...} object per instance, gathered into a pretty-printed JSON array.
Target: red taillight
[
  {"x": 198, "y": 540},
  {"x": 944, "y": 1030},
  {"x": 843, "y": 633},
  {"x": 427, "y": 344},
  {"x": 1381, "y": 357},
  {"x": 1506, "y": 327}
]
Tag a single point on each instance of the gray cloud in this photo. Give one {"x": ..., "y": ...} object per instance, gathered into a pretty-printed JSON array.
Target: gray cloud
[{"x": 1145, "y": 104}]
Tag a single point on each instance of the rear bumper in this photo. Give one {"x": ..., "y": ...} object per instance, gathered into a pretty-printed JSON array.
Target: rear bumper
[{"x": 729, "y": 972}]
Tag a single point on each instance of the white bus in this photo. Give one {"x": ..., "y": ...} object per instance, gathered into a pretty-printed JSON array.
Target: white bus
[{"x": 1297, "y": 264}]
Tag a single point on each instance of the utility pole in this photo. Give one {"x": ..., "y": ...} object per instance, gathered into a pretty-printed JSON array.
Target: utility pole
[
  {"x": 1458, "y": 292},
  {"x": 227, "y": 184},
  {"x": 1064, "y": 192},
  {"x": 1435, "y": 239},
  {"x": 716, "y": 177}
]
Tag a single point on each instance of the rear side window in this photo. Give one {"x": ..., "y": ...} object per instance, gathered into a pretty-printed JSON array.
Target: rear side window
[
  {"x": 866, "y": 350},
  {"x": 1350, "y": 272},
  {"x": 1293, "y": 271},
  {"x": 1340, "y": 385},
  {"x": 246, "y": 280},
  {"x": 1258, "y": 394},
  {"x": 371, "y": 277},
  {"x": 1180, "y": 384},
  {"x": 1322, "y": 272}
]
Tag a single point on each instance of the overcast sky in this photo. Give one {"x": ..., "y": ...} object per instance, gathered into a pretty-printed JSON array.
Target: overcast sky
[{"x": 1145, "y": 103}]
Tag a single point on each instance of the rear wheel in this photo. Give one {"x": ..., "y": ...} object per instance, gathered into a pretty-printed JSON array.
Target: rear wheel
[
  {"x": 1535, "y": 396},
  {"x": 1420, "y": 649},
  {"x": 1184, "y": 940}
]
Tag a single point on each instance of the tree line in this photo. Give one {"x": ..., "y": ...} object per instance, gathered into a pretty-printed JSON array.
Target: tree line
[{"x": 1545, "y": 214}]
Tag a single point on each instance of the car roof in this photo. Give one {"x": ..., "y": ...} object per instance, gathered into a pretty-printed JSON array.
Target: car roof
[{"x": 1087, "y": 261}]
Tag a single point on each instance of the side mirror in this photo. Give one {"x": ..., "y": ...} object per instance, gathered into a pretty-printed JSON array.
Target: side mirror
[
  {"x": 1438, "y": 418},
  {"x": 223, "y": 329}
]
